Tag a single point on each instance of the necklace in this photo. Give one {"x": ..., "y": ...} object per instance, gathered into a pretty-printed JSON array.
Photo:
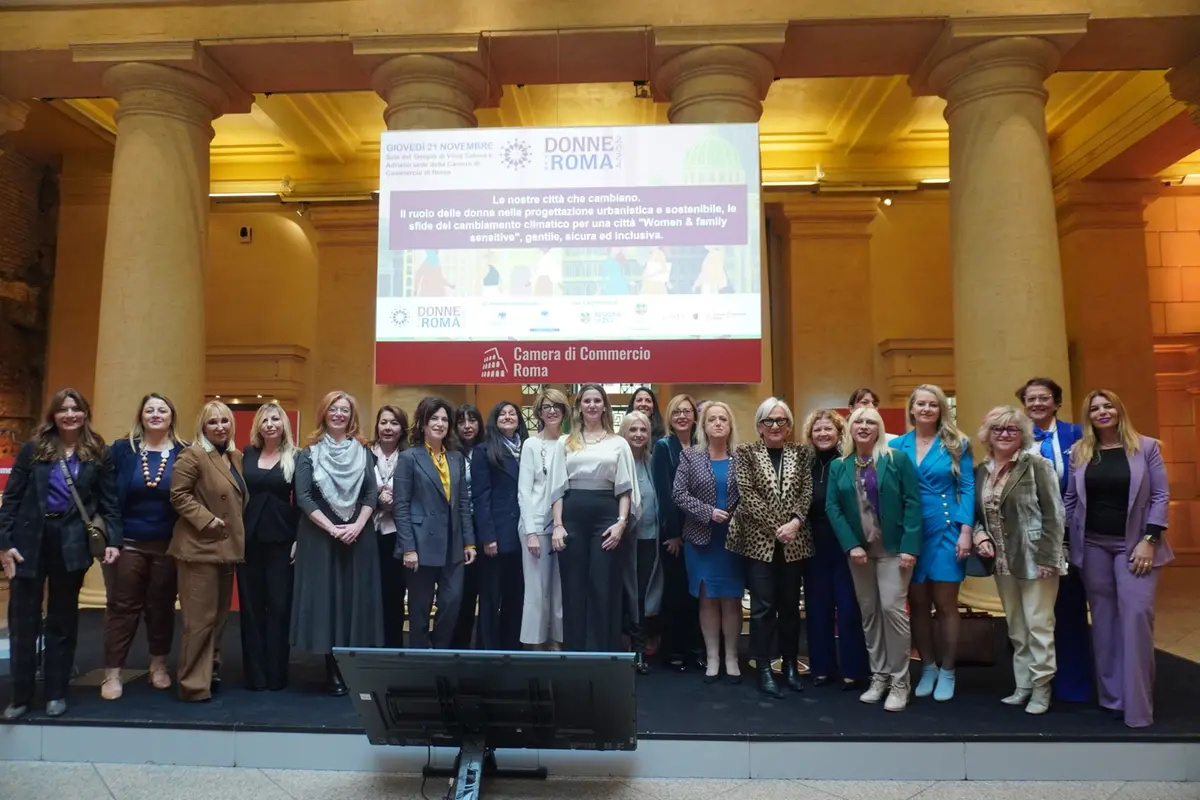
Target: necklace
[
  {"x": 863, "y": 463},
  {"x": 162, "y": 466},
  {"x": 586, "y": 440}
]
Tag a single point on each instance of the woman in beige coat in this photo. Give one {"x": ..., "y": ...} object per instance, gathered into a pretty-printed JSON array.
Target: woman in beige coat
[{"x": 209, "y": 494}]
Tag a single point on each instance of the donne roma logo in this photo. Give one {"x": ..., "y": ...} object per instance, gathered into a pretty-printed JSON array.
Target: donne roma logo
[
  {"x": 399, "y": 317},
  {"x": 493, "y": 365},
  {"x": 516, "y": 154}
]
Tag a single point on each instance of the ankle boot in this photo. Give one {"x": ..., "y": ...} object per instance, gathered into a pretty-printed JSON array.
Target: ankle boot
[
  {"x": 791, "y": 675},
  {"x": 767, "y": 683},
  {"x": 333, "y": 677}
]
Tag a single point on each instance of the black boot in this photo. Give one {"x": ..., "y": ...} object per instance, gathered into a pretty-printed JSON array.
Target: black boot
[
  {"x": 640, "y": 663},
  {"x": 791, "y": 675},
  {"x": 333, "y": 677},
  {"x": 767, "y": 683}
]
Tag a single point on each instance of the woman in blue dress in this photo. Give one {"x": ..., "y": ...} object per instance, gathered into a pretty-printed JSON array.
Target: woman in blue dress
[
  {"x": 706, "y": 492},
  {"x": 947, "y": 480}
]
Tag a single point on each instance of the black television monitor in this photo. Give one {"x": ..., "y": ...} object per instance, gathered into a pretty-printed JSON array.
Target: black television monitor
[{"x": 480, "y": 701}]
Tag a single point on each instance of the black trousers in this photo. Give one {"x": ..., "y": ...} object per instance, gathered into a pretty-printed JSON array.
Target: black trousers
[
  {"x": 680, "y": 618},
  {"x": 392, "y": 576},
  {"x": 264, "y": 582},
  {"x": 774, "y": 607},
  {"x": 592, "y": 577},
  {"x": 501, "y": 600},
  {"x": 446, "y": 583},
  {"x": 61, "y": 629},
  {"x": 464, "y": 624},
  {"x": 640, "y": 627}
]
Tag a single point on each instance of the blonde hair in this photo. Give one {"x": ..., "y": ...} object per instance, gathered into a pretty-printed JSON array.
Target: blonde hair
[
  {"x": 215, "y": 408},
  {"x": 836, "y": 419},
  {"x": 627, "y": 423},
  {"x": 880, "y": 452},
  {"x": 137, "y": 433},
  {"x": 702, "y": 435},
  {"x": 287, "y": 443},
  {"x": 999, "y": 417},
  {"x": 954, "y": 440},
  {"x": 575, "y": 437},
  {"x": 554, "y": 397},
  {"x": 675, "y": 403},
  {"x": 1086, "y": 449}
]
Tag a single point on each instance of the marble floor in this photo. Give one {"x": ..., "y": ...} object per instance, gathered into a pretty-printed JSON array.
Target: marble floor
[{"x": 45, "y": 781}]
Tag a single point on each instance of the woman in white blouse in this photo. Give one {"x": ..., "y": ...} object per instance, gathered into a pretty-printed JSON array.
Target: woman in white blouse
[
  {"x": 593, "y": 486},
  {"x": 391, "y": 435},
  {"x": 542, "y": 613}
]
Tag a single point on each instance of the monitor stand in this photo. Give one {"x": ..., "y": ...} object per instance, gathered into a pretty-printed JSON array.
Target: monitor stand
[{"x": 474, "y": 763}]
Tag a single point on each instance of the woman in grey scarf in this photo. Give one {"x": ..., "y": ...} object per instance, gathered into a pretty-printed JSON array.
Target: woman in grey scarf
[{"x": 337, "y": 599}]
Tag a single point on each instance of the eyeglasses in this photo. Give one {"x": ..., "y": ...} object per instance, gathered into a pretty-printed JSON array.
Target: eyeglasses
[
  {"x": 1008, "y": 431},
  {"x": 1039, "y": 398},
  {"x": 682, "y": 412},
  {"x": 772, "y": 422},
  {"x": 548, "y": 408}
]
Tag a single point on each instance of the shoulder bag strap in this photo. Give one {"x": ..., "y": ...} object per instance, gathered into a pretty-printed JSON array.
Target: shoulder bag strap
[{"x": 83, "y": 515}]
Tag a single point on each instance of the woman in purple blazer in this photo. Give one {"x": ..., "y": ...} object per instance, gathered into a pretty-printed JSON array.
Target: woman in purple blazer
[{"x": 1116, "y": 505}]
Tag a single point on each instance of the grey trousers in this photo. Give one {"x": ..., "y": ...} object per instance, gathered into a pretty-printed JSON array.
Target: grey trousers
[{"x": 881, "y": 587}]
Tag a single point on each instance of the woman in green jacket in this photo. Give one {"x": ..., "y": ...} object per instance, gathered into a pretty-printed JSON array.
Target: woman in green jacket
[{"x": 874, "y": 504}]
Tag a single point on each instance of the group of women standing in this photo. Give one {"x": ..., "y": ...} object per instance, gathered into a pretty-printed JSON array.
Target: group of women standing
[{"x": 577, "y": 535}]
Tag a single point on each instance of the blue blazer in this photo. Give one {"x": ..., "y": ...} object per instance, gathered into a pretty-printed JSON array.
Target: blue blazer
[
  {"x": 1067, "y": 433},
  {"x": 494, "y": 501},
  {"x": 1149, "y": 502},
  {"x": 944, "y": 499}
]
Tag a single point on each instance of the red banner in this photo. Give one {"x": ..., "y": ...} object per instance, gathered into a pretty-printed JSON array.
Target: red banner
[{"x": 654, "y": 361}]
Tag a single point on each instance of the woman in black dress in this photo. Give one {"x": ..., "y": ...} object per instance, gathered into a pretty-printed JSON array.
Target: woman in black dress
[
  {"x": 264, "y": 579},
  {"x": 391, "y": 439},
  {"x": 468, "y": 429},
  {"x": 337, "y": 601}
]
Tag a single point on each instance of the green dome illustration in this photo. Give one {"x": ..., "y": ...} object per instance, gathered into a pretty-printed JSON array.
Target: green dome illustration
[{"x": 713, "y": 161}]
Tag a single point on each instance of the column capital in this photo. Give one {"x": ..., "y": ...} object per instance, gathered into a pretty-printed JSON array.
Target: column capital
[
  {"x": 213, "y": 86},
  {"x": 1105, "y": 205},
  {"x": 1013, "y": 65},
  {"x": 1185, "y": 86},
  {"x": 970, "y": 44},
  {"x": 425, "y": 91},
  {"x": 715, "y": 83},
  {"x": 155, "y": 89},
  {"x": 12, "y": 115},
  {"x": 811, "y": 216}
]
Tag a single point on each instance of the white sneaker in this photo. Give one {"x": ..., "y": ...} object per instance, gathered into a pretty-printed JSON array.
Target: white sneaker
[
  {"x": 1018, "y": 698},
  {"x": 897, "y": 699},
  {"x": 875, "y": 692},
  {"x": 1039, "y": 702}
]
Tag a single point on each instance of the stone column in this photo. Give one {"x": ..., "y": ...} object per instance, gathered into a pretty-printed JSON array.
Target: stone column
[
  {"x": 424, "y": 92},
  {"x": 1009, "y": 323},
  {"x": 1106, "y": 285},
  {"x": 712, "y": 84},
  {"x": 151, "y": 334},
  {"x": 829, "y": 290},
  {"x": 151, "y": 331},
  {"x": 1008, "y": 300}
]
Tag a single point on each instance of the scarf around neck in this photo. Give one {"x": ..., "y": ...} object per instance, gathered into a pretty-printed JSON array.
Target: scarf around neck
[{"x": 338, "y": 472}]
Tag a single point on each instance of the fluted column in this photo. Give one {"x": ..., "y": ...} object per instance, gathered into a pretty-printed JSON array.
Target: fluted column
[
  {"x": 1106, "y": 283},
  {"x": 423, "y": 92},
  {"x": 1008, "y": 300},
  {"x": 152, "y": 303},
  {"x": 712, "y": 84}
]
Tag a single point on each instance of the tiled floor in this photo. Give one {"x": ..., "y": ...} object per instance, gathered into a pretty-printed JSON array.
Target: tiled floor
[{"x": 43, "y": 781}]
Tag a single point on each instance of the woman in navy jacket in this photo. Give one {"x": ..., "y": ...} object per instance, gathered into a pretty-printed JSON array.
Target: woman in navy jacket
[
  {"x": 143, "y": 582},
  {"x": 495, "y": 468}
]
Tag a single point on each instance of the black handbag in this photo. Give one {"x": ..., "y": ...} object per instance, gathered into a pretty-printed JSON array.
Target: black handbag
[
  {"x": 980, "y": 566},
  {"x": 97, "y": 529}
]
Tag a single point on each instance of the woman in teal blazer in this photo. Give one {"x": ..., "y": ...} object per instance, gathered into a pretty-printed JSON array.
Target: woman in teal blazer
[{"x": 874, "y": 504}]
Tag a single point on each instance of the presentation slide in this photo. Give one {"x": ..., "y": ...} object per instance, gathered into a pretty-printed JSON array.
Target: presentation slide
[{"x": 566, "y": 255}]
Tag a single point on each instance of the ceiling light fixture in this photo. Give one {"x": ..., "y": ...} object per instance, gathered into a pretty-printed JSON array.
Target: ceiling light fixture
[
  {"x": 1191, "y": 179},
  {"x": 789, "y": 183},
  {"x": 935, "y": 181}
]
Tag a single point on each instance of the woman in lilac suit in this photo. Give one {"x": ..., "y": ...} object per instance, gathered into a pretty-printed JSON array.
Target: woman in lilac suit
[{"x": 1116, "y": 503}]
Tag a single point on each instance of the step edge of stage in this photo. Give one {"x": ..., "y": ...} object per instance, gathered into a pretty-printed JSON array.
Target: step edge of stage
[{"x": 1147, "y": 737}]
